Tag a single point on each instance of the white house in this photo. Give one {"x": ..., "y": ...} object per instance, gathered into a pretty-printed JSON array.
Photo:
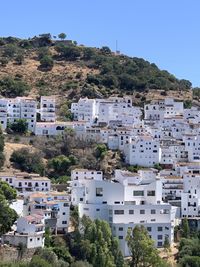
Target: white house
[
  {"x": 25, "y": 183},
  {"x": 54, "y": 206},
  {"x": 84, "y": 110},
  {"x": 29, "y": 232},
  {"x": 113, "y": 111},
  {"x": 142, "y": 150},
  {"x": 47, "y": 108},
  {"x": 159, "y": 109},
  {"x": 3, "y": 112},
  {"x": 190, "y": 199}
]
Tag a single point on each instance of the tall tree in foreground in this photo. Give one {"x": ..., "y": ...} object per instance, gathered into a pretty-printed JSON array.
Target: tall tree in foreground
[
  {"x": 142, "y": 250},
  {"x": 7, "y": 215},
  {"x": 185, "y": 228},
  {"x": 95, "y": 244},
  {"x": 2, "y": 157}
]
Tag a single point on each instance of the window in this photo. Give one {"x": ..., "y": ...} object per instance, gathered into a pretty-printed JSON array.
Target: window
[
  {"x": 159, "y": 237},
  {"x": 131, "y": 211},
  {"x": 120, "y": 237},
  {"x": 38, "y": 238},
  {"x": 142, "y": 211},
  {"x": 159, "y": 244},
  {"x": 119, "y": 212},
  {"x": 63, "y": 213},
  {"x": 31, "y": 239},
  {"x": 81, "y": 199},
  {"x": 153, "y": 211},
  {"x": 64, "y": 222},
  {"x": 121, "y": 229},
  {"x": 151, "y": 193},
  {"x": 149, "y": 229},
  {"x": 85, "y": 208},
  {"x": 65, "y": 205},
  {"x": 99, "y": 192},
  {"x": 138, "y": 193},
  {"x": 160, "y": 229}
]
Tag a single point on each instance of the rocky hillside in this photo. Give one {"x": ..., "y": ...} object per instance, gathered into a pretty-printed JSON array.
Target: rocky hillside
[{"x": 44, "y": 66}]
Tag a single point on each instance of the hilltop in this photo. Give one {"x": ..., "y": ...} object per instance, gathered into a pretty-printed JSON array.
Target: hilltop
[{"x": 44, "y": 66}]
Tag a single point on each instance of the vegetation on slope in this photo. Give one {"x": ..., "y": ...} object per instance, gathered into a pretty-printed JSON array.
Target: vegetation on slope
[{"x": 49, "y": 65}]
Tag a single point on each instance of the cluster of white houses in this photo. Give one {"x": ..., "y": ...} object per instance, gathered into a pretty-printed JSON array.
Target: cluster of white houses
[
  {"x": 12, "y": 109},
  {"x": 38, "y": 207},
  {"x": 164, "y": 134}
]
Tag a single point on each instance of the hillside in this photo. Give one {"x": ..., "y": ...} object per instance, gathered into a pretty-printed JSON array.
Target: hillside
[{"x": 63, "y": 68}]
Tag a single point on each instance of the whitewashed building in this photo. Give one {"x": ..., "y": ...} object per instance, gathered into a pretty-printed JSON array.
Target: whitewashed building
[
  {"x": 190, "y": 199},
  {"x": 142, "y": 150},
  {"x": 29, "y": 232},
  {"x": 53, "y": 206},
  {"x": 159, "y": 109},
  {"x": 47, "y": 108},
  {"x": 135, "y": 199},
  {"x": 25, "y": 183}
]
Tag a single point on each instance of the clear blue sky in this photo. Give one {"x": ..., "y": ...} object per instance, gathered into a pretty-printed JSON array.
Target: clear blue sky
[{"x": 166, "y": 32}]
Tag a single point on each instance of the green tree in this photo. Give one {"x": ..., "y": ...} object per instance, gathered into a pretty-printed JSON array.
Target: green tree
[
  {"x": 81, "y": 264},
  {"x": 61, "y": 164},
  {"x": 10, "y": 50},
  {"x": 185, "y": 228},
  {"x": 187, "y": 104},
  {"x": 105, "y": 50},
  {"x": 48, "y": 255},
  {"x": 190, "y": 261},
  {"x": 68, "y": 52},
  {"x": 48, "y": 238},
  {"x": 101, "y": 150},
  {"x": 10, "y": 87},
  {"x": 7, "y": 191},
  {"x": 158, "y": 166},
  {"x": 7, "y": 215},
  {"x": 28, "y": 161},
  {"x": 166, "y": 244},
  {"x": 62, "y": 36},
  {"x": 189, "y": 252},
  {"x": 2, "y": 157},
  {"x": 19, "y": 126},
  {"x": 37, "y": 261},
  {"x": 142, "y": 249},
  {"x": 74, "y": 215},
  {"x": 88, "y": 53},
  {"x": 42, "y": 52},
  {"x": 96, "y": 245}
]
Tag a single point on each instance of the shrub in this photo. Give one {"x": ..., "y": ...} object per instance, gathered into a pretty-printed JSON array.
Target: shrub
[
  {"x": 19, "y": 126},
  {"x": 46, "y": 63},
  {"x": 100, "y": 150},
  {"x": 10, "y": 87},
  {"x": 10, "y": 50},
  {"x": 42, "y": 52},
  {"x": 28, "y": 161}
]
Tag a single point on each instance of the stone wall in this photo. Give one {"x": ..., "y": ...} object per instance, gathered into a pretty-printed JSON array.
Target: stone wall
[{"x": 10, "y": 254}]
